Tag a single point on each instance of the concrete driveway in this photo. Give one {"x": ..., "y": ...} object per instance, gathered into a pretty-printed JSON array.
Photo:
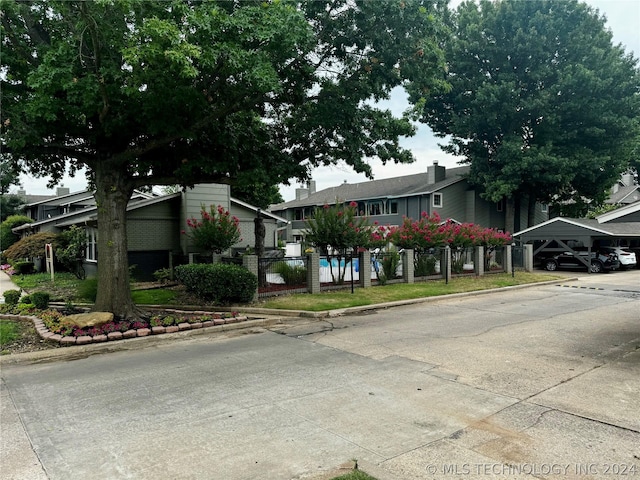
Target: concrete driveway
[{"x": 542, "y": 382}]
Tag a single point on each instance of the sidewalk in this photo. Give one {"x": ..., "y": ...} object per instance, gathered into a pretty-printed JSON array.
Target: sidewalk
[{"x": 6, "y": 284}]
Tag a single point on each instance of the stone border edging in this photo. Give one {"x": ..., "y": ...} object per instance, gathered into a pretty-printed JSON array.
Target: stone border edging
[
  {"x": 48, "y": 335},
  {"x": 75, "y": 351}
]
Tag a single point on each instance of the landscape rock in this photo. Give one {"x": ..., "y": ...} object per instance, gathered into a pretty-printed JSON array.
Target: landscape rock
[{"x": 90, "y": 319}]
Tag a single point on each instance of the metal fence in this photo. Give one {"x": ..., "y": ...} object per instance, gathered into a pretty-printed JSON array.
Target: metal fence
[
  {"x": 277, "y": 276},
  {"x": 341, "y": 271},
  {"x": 518, "y": 257},
  {"x": 427, "y": 265},
  {"x": 386, "y": 267},
  {"x": 495, "y": 259}
]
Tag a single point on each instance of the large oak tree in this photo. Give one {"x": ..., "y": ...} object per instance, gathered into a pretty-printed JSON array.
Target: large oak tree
[
  {"x": 177, "y": 92},
  {"x": 543, "y": 106}
]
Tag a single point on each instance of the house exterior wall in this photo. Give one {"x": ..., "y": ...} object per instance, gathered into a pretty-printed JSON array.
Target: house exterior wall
[
  {"x": 248, "y": 230},
  {"x": 155, "y": 227},
  {"x": 192, "y": 202},
  {"x": 454, "y": 203}
]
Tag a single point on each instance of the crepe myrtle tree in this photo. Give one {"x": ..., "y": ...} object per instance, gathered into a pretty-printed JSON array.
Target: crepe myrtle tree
[
  {"x": 216, "y": 231},
  {"x": 338, "y": 232},
  {"x": 431, "y": 231},
  {"x": 173, "y": 92}
]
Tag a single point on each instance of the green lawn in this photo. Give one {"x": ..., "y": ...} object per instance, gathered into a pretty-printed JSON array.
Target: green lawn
[
  {"x": 9, "y": 332},
  {"x": 400, "y": 291},
  {"x": 67, "y": 288},
  {"x": 157, "y": 296}
]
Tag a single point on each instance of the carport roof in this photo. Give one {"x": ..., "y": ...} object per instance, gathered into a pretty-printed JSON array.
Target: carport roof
[{"x": 573, "y": 228}]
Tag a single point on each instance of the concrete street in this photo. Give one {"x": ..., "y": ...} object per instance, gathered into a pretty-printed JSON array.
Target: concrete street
[{"x": 540, "y": 382}]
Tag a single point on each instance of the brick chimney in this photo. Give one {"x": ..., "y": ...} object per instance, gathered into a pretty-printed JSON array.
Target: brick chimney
[{"x": 436, "y": 173}]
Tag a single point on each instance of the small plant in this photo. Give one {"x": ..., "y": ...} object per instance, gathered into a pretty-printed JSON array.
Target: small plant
[
  {"x": 390, "y": 262},
  {"x": 156, "y": 321},
  {"x": 163, "y": 275},
  {"x": 291, "y": 274},
  {"x": 12, "y": 297},
  {"x": 425, "y": 265},
  {"x": 70, "y": 308}
]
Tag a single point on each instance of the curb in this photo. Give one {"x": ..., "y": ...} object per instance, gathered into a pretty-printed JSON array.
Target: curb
[
  {"x": 74, "y": 352},
  {"x": 272, "y": 317}
]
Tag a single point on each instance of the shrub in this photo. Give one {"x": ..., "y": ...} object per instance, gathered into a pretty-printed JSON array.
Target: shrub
[
  {"x": 425, "y": 265},
  {"x": 31, "y": 246},
  {"x": 218, "y": 282},
  {"x": 40, "y": 300},
  {"x": 24, "y": 268},
  {"x": 163, "y": 275},
  {"x": 291, "y": 274},
  {"x": 72, "y": 254},
  {"x": 12, "y": 297}
]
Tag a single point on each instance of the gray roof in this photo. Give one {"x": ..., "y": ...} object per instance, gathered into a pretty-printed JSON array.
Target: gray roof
[
  {"x": 584, "y": 226},
  {"x": 624, "y": 194},
  {"x": 90, "y": 213},
  {"x": 395, "y": 187}
]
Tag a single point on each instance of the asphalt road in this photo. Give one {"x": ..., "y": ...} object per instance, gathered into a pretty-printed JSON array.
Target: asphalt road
[{"x": 542, "y": 382}]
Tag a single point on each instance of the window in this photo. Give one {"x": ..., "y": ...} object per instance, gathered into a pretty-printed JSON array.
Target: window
[
  {"x": 298, "y": 214},
  {"x": 436, "y": 200},
  {"x": 544, "y": 208},
  {"x": 92, "y": 245},
  {"x": 375, "y": 208},
  {"x": 393, "y": 207},
  {"x": 500, "y": 206}
]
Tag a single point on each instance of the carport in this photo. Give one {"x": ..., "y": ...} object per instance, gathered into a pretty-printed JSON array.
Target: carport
[{"x": 566, "y": 234}]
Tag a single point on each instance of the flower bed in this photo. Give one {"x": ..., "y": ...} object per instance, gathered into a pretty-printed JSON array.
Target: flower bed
[{"x": 51, "y": 326}]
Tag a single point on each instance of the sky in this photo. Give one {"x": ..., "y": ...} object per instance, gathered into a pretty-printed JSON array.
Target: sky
[{"x": 623, "y": 18}]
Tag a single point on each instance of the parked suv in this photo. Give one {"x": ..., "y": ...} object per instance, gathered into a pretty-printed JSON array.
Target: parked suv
[
  {"x": 625, "y": 255},
  {"x": 600, "y": 261}
]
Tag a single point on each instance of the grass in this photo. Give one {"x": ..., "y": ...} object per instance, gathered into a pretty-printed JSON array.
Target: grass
[
  {"x": 354, "y": 475},
  {"x": 63, "y": 283},
  {"x": 66, "y": 287},
  {"x": 9, "y": 332},
  {"x": 401, "y": 291},
  {"x": 157, "y": 296}
]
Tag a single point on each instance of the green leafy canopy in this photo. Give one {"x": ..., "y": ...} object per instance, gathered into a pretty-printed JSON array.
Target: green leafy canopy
[
  {"x": 184, "y": 92},
  {"x": 542, "y": 104}
]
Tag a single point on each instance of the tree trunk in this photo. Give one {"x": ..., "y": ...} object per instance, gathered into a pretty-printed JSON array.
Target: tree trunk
[
  {"x": 509, "y": 215},
  {"x": 112, "y": 195}
]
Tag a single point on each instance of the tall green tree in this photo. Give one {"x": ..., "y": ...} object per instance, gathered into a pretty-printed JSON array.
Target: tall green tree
[
  {"x": 9, "y": 175},
  {"x": 183, "y": 92},
  {"x": 542, "y": 105},
  {"x": 11, "y": 204}
]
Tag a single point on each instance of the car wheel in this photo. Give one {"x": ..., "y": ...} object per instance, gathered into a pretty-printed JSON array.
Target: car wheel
[
  {"x": 550, "y": 265},
  {"x": 596, "y": 267}
]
